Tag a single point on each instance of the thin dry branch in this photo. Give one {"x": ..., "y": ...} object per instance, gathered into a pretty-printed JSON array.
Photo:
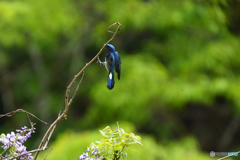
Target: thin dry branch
[
  {"x": 79, "y": 73},
  {"x": 32, "y": 151},
  {"x": 69, "y": 102},
  {"x": 10, "y": 114},
  {"x": 50, "y": 134},
  {"x": 47, "y": 154}
]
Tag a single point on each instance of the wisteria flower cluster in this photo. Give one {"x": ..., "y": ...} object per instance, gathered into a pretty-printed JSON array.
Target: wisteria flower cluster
[
  {"x": 92, "y": 151},
  {"x": 112, "y": 146},
  {"x": 13, "y": 147}
]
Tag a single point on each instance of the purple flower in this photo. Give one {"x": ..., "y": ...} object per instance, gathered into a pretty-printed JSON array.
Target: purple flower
[
  {"x": 84, "y": 156},
  {"x": 5, "y": 142},
  {"x": 90, "y": 152},
  {"x": 15, "y": 142},
  {"x": 87, "y": 150}
]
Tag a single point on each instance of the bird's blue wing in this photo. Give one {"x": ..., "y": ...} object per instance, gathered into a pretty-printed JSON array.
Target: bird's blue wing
[{"x": 118, "y": 64}]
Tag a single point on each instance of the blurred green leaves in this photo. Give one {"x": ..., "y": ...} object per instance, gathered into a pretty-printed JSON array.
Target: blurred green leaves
[{"x": 24, "y": 22}]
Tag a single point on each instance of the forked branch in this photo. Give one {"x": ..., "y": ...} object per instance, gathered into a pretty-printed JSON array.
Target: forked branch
[{"x": 69, "y": 102}]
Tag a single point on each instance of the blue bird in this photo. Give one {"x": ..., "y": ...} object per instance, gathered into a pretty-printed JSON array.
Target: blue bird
[
  {"x": 112, "y": 60},
  {"x": 110, "y": 64},
  {"x": 110, "y": 48}
]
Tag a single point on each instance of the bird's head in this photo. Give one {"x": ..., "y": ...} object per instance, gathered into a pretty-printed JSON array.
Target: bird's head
[{"x": 110, "y": 48}]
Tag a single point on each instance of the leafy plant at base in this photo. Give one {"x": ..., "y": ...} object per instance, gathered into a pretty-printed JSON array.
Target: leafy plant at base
[{"x": 112, "y": 146}]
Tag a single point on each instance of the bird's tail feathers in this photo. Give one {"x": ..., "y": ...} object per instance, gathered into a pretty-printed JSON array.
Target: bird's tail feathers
[{"x": 110, "y": 82}]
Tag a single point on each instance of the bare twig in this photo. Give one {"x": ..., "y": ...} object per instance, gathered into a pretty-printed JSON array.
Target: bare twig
[
  {"x": 113, "y": 25},
  {"x": 47, "y": 154},
  {"x": 47, "y": 140},
  {"x": 32, "y": 151},
  {"x": 50, "y": 134},
  {"x": 21, "y": 110},
  {"x": 79, "y": 73},
  {"x": 69, "y": 102}
]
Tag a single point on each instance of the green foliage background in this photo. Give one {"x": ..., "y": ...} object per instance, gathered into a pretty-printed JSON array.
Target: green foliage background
[{"x": 180, "y": 72}]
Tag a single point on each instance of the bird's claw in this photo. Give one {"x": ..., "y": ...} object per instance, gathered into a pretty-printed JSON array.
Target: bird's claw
[{"x": 99, "y": 61}]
